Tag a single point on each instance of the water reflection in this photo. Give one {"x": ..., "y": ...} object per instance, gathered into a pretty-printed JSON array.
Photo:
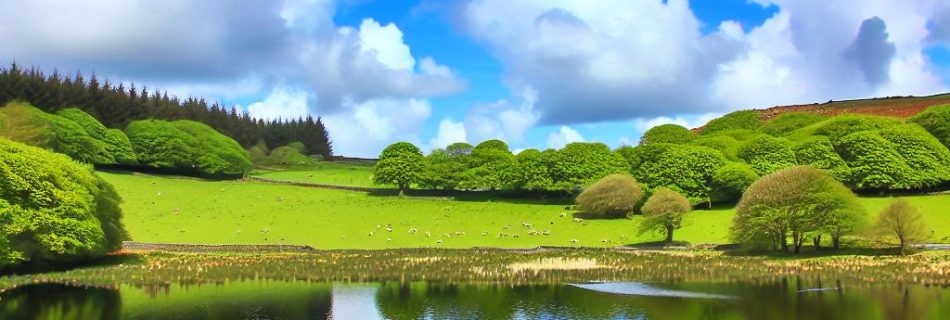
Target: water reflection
[{"x": 786, "y": 299}]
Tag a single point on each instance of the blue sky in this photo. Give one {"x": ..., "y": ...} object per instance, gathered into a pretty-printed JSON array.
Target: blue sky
[{"x": 536, "y": 74}]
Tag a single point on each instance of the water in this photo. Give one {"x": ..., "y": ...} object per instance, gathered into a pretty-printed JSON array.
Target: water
[{"x": 785, "y": 299}]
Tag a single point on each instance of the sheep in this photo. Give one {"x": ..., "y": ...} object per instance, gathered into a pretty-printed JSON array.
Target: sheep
[
  {"x": 446, "y": 235},
  {"x": 546, "y": 232},
  {"x": 532, "y": 233},
  {"x": 563, "y": 214},
  {"x": 428, "y": 234},
  {"x": 370, "y": 234},
  {"x": 484, "y": 233},
  {"x": 460, "y": 233},
  {"x": 578, "y": 220},
  {"x": 389, "y": 239},
  {"x": 412, "y": 230},
  {"x": 506, "y": 227},
  {"x": 575, "y": 241},
  {"x": 389, "y": 229}
]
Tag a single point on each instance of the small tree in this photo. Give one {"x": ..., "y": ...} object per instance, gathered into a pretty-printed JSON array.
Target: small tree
[
  {"x": 615, "y": 195},
  {"x": 664, "y": 211},
  {"x": 903, "y": 221},
  {"x": 401, "y": 164}
]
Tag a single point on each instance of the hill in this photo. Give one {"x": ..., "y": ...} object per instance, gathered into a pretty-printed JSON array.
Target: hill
[{"x": 898, "y": 107}]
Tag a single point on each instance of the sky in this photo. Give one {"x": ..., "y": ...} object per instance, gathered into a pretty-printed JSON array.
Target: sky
[{"x": 536, "y": 74}]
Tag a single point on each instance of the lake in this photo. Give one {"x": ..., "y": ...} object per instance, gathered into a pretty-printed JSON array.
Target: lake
[{"x": 788, "y": 298}]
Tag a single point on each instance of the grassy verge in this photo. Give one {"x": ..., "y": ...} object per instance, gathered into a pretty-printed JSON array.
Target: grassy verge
[{"x": 173, "y": 210}]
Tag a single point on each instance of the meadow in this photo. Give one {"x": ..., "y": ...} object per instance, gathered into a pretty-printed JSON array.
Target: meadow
[
  {"x": 353, "y": 174},
  {"x": 184, "y": 210}
]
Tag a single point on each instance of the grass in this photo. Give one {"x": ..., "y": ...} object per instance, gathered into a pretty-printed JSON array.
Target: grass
[
  {"x": 181, "y": 210},
  {"x": 335, "y": 173}
]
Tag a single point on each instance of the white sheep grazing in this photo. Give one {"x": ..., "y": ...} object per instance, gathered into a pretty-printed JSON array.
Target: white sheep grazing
[
  {"x": 484, "y": 233},
  {"x": 574, "y": 241},
  {"x": 389, "y": 239},
  {"x": 546, "y": 232},
  {"x": 389, "y": 229},
  {"x": 370, "y": 234},
  {"x": 506, "y": 227},
  {"x": 412, "y": 230},
  {"x": 446, "y": 235},
  {"x": 563, "y": 214},
  {"x": 532, "y": 233},
  {"x": 578, "y": 220},
  {"x": 428, "y": 234}
]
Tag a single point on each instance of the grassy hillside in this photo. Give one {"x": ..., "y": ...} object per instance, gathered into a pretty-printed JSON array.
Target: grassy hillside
[
  {"x": 325, "y": 172},
  {"x": 899, "y": 107},
  {"x": 164, "y": 209}
]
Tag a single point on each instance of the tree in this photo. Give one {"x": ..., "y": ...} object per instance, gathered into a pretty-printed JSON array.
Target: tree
[
  {"x": 615, "y": 195},
  {"x": 491, "y": 167},
  {"x": 667, "y": 133},
  {"x": 53, "y": 209},
  {"x": 664, "y": 211},
  {"x": 579, "y": 164},
  {"x": 186, "y": 145},
  {"x": 767, "y": 154},
  {"x": 686, "y": 169},
  {"x": 534, "y": 169},
  {"x": 744, "y": 119},
  {"x": 903, "y": 221},
  {"x": 796, "y": 202},
  {"x": 731, "y": 180},
  {"x": 791, "y": 121},
  {"x": 401, "y": 164},
  {"x": 443, "y": 170},
  {"x": 935, "y": 120}
]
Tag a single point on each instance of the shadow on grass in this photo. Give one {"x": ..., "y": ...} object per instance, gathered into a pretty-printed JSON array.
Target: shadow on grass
[{"x": 36, "y": 267}]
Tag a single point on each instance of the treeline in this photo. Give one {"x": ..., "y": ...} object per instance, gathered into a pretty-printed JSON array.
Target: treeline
[
  {"x": 116, "y": 105},
  {"x": 717, "y": 164}
]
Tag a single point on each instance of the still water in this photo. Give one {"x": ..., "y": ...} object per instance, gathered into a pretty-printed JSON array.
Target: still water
[{"x": 784, "y": 299}]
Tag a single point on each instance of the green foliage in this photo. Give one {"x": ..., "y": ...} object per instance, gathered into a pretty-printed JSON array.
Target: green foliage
[
  {"x": 615, "y": 195},
  {"x": 685, "y": 169},
  {"x": 258, "y": 152},
  {"x": 767, "y": 154},
  {"x": 902, "y": 221},
  {"x": 667, "y": 133},
  {"x": 27, "y": 124},
  {"x": 186, "y": 144},
  {"x": 840, "y": 126},
  {"x": 459, "y": 149},
  {"x": 301, "y": 148},
  {"x": 726, "y": 144},
  {"x": 401, "y": 164},
  {"x": 117, "y": 145},
  {"x": 797, "y": 202},
  {"x": 286, "y": 156},
  {"x": 818, "y": 152},
  {"x": 491, "y": 167},
  {"x": 53, "y": 209},
  {"x": 534, "y": 169},
  {"x": 788, "y": 122},
  {"x": 738, "y": 134},
  {"x": 579, "y": 164},
  {"x": 744, "y": 119},
  {"x": 928, "y": 159},
  {"x": 664, "y": 211},
  {"x": 874, "y": 162},
  {"x": 443, "y": 170},
  {"x": 935, "y": 120},
  {"x": 731, "y": 180}
]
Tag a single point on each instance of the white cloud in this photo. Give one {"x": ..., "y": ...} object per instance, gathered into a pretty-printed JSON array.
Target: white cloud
[
  {"x": 374, "y": 124},
  {"x": 449, "y": 132},
  {"x": 563, "y": 136},
  {"x": 282, "y": 103},
  {"x": 386, "y": 43},
  {"x": 502, "y": 119}
]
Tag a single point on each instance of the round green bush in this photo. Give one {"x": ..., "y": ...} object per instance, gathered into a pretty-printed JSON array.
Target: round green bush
[
  {"x": 927, "y": 158},
  {"x": 286, "y": 156},
  {"x": 840, "y": 126},
  {"x": 685, "y": 169},
  {"x": 53, "y": 209},
  {"x": 667, "y": 133},
  {"x": 788, "y": 122},
  {"x": 744, "y": 119},
  {"x": 731, "y": 180},
  {"x": 874, "y": 162},
  {"x": 664, "y": 211},
  {"x": 613, "y": 196},
  {"x": 767, "y": 154},
  {"x": 726, "y": 144},
  {"x": 492, "y": 167},
  {"x": 27, "y": 124},
  {"x": 935, "y": 120},
  {"x": 401, "y": 163},
  {"x": 818, "y": 152},
  {"x": 187, "y": 145},
  {"x": 580, "y": 163}
]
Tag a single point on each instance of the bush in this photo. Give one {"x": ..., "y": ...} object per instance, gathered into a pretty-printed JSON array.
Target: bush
[
  {"x": 186, "y": 145},
  {"x": 685, "y": 169},
  {"x": 492, "y": 166},
  {"x": 667, "y": 133},
  {"x": 287, "y": 156},
  {"x": 258, "y": 152},
  {"x": 767, "y": 154},
  {"x": 935, "y": 120},
  {"x": 664, "y": 211},
  {"x": 615, "y": 195},
  {"x": 873, "y": 161},
  {"x": 579, "y": 164},
  {"x": 442, "y": 170},
  {"x": 745, "y": 119},
  {"x": 116, "y": 143},
  {"x": 53, "y": 209},
  {"x": 818, "y": 152},
  {"x": 401, "y": 164},
  {"x": 27, "y": 124},
  {"x": 731, "y": 180},
  {"x": 727, "y": 145},
  {"x": 902, "y": 221},
  {"x": 840, "y": 126},
  {"x": 796, "y": 202},
  {"x": 928, "y": 159},
  {"x": 788, "y": 122},
  {"x": 534, "y": 169}
]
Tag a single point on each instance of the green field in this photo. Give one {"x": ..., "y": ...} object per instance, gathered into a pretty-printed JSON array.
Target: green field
[
  {"x": 182, "y": 210},
  {"x": 335, "y": 173}
]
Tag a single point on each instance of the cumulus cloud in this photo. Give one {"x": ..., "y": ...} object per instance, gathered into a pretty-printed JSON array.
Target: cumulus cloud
[
  {"x": 502, "y": 120},
  {"x": 563, "y": 136},
  {"x": 449, "y": 132},
  {"x": 283, "y": 103},
  {"x": 376, "y": 123}
]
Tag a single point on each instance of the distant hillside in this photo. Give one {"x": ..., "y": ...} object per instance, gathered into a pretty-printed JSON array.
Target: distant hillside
[{"x": 899, "y": 107}]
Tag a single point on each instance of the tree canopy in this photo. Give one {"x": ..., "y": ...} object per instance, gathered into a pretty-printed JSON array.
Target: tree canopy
[
  {"x": 185, "y": 144},
  {"x": 401, "y": 163},
  {"x": 664, "y": 211},
  {"x": 615, "y": 195}
]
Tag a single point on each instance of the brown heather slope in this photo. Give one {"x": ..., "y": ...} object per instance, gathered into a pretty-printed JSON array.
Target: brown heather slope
[{"x": 900, "y": 107}]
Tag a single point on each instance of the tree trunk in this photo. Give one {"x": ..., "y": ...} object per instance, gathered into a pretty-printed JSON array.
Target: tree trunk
[
  {"x": 402, "y": 189},
  {"x": 797, "y": 240},
  {"x": 784, "y": 241},
  {"x": 816, "y": 241},
  {"x": 902, "y": 246},
  {"x": 835, "y": 241},
  {"x": 669, "y": 234}
]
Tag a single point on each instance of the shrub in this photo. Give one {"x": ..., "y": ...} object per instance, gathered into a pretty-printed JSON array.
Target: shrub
[
  {"x": 685, "y": 169},
  {"x": 258, "y": 152},
  {"x": 903, "y": 221},
  {"x": 788, "y": 122},
  {"x": 492, "y": 166},
  {"x": 53, "y": 209},
  {"x": 767, "y": 154},
  {"x": 874, "y": 162},
  {"x": 744, "y": 119},
  {"x": 727, "y": 145},
  {"x": 217, "y": 153},
  {"x": 116, "y": 144},
  {"x": 615, "y": 195},
  {"x": 188, "y": 145},
  {"x": 731, "y": 180},
  {"x": 935, "y": 120},
  {"x": 459, "y": 149},
  {"x": 928, "y": 159},
  {"x": 818, "y": 152},
  {"x": 442, "y": 170},
  {"x": 401, "y": 164},
  {"x": 579, "y": 164},
  {"x": 534, "y": 169},
  {"x": 797, "y": 202},
  {"x": 27, "y": 124},
  {"x": 840, "y": 126},
  {"x": 664, "y": 211},
  {"x": 667, "y": 133},
  {"x": 287, "y": 156}
]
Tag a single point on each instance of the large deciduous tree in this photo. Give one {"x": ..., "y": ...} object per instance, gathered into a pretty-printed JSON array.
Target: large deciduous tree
[
  {"x": 613, "y": 196},
  {"x": 664, "y": 211},
  {"x": 903, "y": 221},
  {"x": 401, "y": 163}
]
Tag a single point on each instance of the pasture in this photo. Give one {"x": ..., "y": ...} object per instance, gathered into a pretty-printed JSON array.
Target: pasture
[
  {"x": 184, "y": 210},
  {"x": 326, "y": 172}
]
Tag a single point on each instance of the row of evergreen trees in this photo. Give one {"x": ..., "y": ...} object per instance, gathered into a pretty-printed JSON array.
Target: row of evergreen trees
[{"x": 117, "y": 105}]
